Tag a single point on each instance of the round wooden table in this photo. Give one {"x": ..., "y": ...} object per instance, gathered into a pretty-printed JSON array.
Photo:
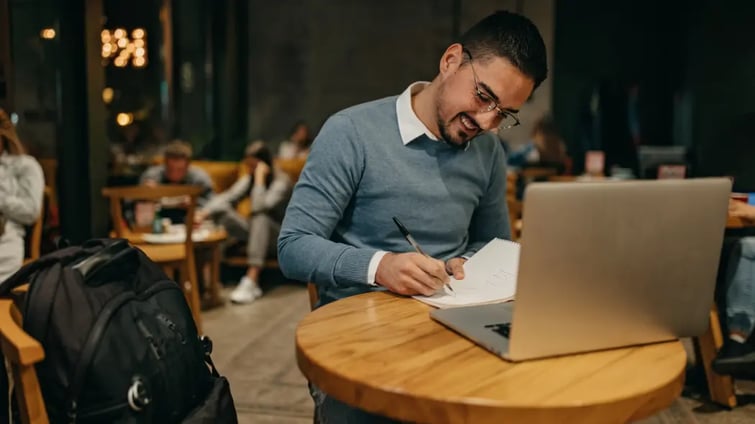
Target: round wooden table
[{"x": 382, "y": 353}]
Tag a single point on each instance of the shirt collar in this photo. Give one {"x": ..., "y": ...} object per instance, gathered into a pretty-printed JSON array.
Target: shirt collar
[{"x": 409, "y": 124}]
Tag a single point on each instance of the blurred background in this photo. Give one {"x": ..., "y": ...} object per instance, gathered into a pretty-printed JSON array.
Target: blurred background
[{"x": 97, "y": 87}]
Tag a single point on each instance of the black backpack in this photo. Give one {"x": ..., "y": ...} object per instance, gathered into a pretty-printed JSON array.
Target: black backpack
[{"x": 120, "y": 342}]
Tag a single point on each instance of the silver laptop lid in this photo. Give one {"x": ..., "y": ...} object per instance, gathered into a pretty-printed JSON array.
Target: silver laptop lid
[{"x": 609, "y": 264}]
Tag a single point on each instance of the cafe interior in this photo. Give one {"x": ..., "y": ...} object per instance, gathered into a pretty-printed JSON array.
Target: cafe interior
[{"x": 111, "y": 97}]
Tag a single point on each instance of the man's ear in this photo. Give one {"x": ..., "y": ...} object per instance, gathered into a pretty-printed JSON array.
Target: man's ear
[{"x": 451, "y": 60}]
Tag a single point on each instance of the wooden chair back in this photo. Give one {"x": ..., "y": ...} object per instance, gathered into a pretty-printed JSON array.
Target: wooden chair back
[
  {"x": 314, "y": 296},
  {"x": 223, "y": 174},
  {"x": 292, "y": 167},
  {"x": 513, "y": 204},
  {"x": 21, "y": 352},
  {"x": 117, "y": 195},
  {"x": 179, "y": 257}
]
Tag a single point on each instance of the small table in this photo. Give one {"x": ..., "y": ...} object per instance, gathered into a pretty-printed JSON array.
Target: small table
[
  {"x": 382, "y": 353},
  {"x": 211, "y": 243}
]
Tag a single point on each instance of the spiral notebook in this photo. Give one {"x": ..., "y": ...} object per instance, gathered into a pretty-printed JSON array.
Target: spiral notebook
[{"x": 489, "y": 277}]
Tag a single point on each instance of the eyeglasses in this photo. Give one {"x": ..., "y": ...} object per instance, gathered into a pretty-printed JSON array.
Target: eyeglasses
[{"x": 508, "y": 119}]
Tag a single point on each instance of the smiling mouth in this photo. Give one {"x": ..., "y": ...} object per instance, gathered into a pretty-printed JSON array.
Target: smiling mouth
[{"x": 468, "y": 123}]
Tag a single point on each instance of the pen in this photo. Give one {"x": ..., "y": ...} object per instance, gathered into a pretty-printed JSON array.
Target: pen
[{"x": 415, "y": 245}]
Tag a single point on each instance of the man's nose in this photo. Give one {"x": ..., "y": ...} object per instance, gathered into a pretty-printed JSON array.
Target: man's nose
[{"x": 488, "y": 121}]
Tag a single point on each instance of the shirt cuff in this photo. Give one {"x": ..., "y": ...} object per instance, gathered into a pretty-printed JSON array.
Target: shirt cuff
[{"x": 372, "y": 268}]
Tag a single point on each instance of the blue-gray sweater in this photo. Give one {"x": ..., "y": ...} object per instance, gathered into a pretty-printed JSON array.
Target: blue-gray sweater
[{"x": 359, "y": 174}]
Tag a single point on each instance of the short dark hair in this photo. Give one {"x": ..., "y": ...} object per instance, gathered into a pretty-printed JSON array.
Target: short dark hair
[
  {"x": 178, "y": 149},
  {"x": 510, "y": 36}
]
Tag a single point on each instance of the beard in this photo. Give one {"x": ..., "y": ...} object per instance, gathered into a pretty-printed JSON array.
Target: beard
[{"x": 458, "y": 141}]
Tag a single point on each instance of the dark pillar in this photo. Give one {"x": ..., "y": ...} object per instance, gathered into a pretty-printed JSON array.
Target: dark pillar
[
  {"x": 229, "y": 58},
  {"x": 190, "y": 54},
  {"x": 83, "y": 147},
  {"x": 6, "y": 68}
]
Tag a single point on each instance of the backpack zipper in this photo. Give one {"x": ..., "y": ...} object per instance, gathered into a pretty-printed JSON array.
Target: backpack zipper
[{"x": 87, "y": 352}]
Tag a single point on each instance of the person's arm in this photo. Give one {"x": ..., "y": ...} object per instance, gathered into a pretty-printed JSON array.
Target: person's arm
[
  {"x": 491, "y": 217},
  {"x": 741, "y": 210},
  {"x": 152, "y": 175},
  {"x": 234, "y": 193},
  {"x": 202, "y": 179},
  {"x": 267, "y": 198},
  {"x": 305, "y": 252},
  {"x": 329, "y": 180},
  {"x": 25, "y": 205}
]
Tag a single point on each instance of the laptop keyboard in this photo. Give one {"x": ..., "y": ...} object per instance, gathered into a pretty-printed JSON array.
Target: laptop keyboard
[{"x": 503, "y": 329}]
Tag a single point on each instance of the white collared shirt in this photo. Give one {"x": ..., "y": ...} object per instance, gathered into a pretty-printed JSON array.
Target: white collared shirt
[{"x": 409, "y": 125}]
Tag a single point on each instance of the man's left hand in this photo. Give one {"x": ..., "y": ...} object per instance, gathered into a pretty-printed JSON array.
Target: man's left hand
[{"x": 455, "y": 267}]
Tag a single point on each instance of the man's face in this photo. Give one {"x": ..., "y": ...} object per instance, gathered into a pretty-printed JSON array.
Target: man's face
[
  {"x": 477, "y": 96},
  {"x": 176, "y": 169}
]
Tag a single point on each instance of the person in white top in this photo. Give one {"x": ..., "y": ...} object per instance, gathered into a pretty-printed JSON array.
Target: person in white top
[
  {"x": 22, "y": 186},
  {"x": 297, "y": 145},
  {"x": 270, "y": 190}
]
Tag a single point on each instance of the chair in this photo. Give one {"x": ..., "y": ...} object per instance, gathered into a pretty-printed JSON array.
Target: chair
[
  {"x": 21, "y": 352},
  {"x": 34, "y": 239},
  {"x": 292, "y": 167},
  {"x": 313, "y": 295},
  {"x": 178, "y": 256},
  {"x": 514, "y": 205},
  {"x": 720, "y": 387}
]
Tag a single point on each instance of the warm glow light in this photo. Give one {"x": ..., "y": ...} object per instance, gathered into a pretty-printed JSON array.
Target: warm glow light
[
  {"x": 47, "y": 33},
  {"x": 117, "y": 45},
  {"x": 124, "y": 119},
  {"x": 107, "y": 95}
]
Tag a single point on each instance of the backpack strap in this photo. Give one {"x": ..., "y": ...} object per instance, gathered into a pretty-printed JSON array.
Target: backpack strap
[{"x": 63, "y": 256}]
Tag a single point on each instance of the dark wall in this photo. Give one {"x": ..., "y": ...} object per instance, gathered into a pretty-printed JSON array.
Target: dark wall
[
  {"x": 308, "y": 59},
  {"x": 614, "y": 45},
  {"x": 722, "y": 80}
]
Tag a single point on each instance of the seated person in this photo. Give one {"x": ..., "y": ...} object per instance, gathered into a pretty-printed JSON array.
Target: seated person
[
  {"x": 297, "y": 145},
  {"x": 546, "y": 149},
  {"x": 270, "y": 191},
  {"x": 22, "y": 185},
  {"x": 738, "y": 354},
  {"x": 177, "y": 169}
]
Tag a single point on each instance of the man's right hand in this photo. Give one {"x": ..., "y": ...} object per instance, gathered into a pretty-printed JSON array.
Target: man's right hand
[{"x": 411, "y": 273}]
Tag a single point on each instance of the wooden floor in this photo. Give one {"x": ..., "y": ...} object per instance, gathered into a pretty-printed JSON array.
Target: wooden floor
[{"x": 254, "y": 348}]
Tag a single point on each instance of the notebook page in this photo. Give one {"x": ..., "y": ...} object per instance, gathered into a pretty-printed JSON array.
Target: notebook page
[{"x": 490, "y": 277}]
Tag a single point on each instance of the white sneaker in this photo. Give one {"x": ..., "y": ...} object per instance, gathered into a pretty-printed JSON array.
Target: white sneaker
[{"x": 246, "y": 292}]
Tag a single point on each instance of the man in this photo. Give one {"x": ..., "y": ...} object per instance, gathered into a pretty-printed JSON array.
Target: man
[
  {"x": 426, "y": 157},
  {"x": 270, "y": 191},
  {"x": 737, "y": 357},
  {"x": 177, "y": 169}
]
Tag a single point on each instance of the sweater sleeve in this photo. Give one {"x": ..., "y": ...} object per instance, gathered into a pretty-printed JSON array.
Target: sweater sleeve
[
  {"x": 25, "y": 205},
  {"x": 326, "y": 187},
  {"x": 491, "y": 218}
]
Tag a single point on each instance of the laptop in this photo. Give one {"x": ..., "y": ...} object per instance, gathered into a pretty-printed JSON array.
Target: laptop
[{"x": 605, "y": 265}]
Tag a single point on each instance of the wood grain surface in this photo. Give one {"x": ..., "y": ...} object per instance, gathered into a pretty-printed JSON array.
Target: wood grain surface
[{"x": 383, "y": 353}]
